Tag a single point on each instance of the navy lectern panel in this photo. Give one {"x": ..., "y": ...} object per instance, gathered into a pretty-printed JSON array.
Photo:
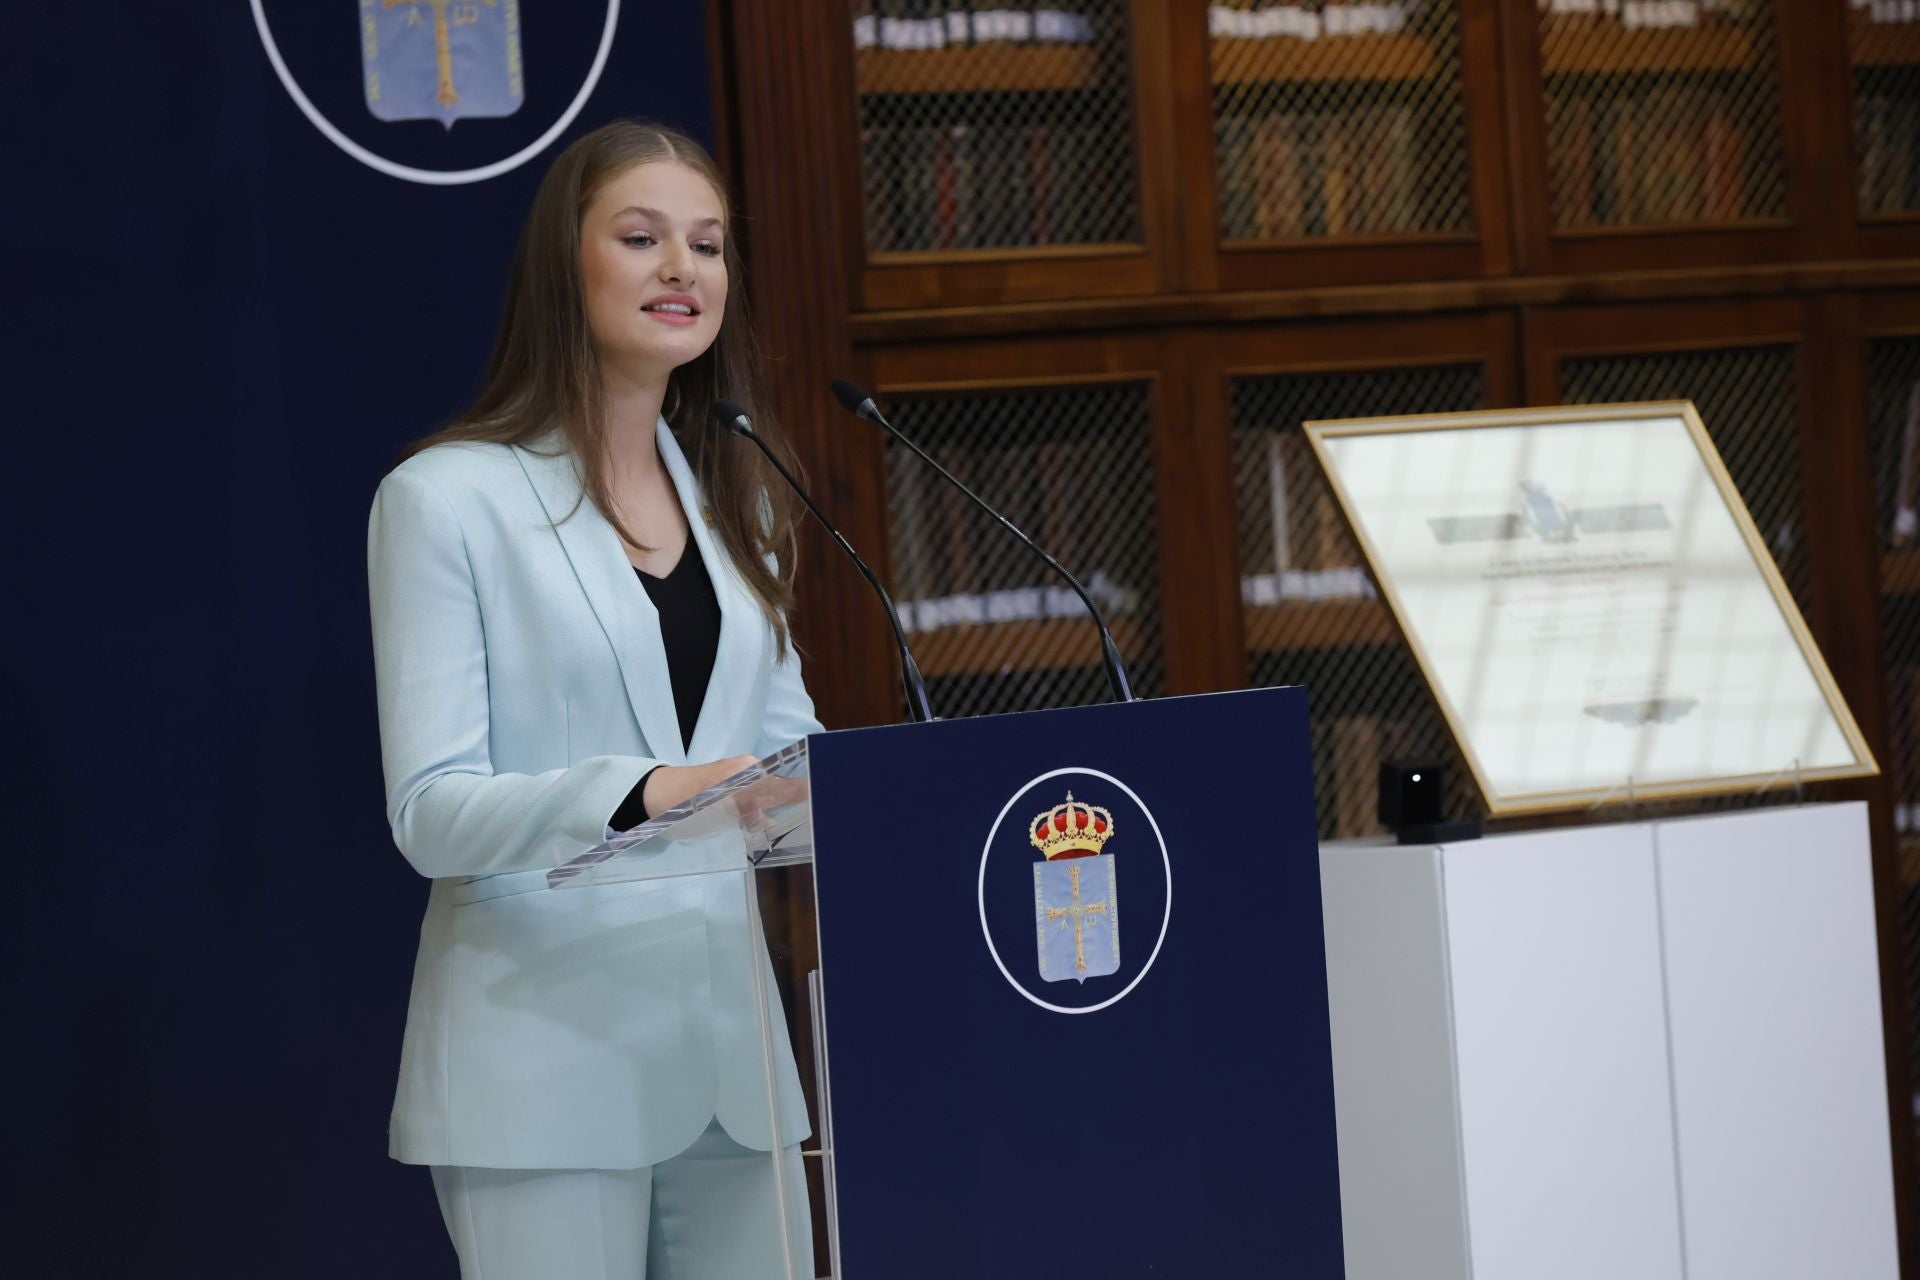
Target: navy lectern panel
[{"x": 1076, "y": 994}]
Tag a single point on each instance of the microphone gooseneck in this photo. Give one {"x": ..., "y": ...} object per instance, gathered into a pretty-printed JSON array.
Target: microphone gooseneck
[
  {"x": 734, "y": 419},
  {"x": 861, "y": 405}
]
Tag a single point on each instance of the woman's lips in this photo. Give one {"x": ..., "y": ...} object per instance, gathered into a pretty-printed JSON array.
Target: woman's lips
[{"x": 677, "y": 310}]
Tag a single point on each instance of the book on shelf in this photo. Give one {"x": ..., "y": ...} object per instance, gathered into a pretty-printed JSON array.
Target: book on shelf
[
  {"x": 1887, "y": 133},
  {"x": 972, "y": 185},
  {"x": 1903, "y": 740},
  {"x": 1038, "y": 144},
  {"x": 938, "y": 24},
  {"x": 1300, "y": 174},
  {"x": 953, "y": 566},
  {"x": 1721, "y": 158},
  {"x": 1889, "y": 12},
  {"x": 1906, "y": 495},
  {"x": 1307, "y": 553},
  {"x": 954, "y": 529},
  {"x": 1315, "y": 20},
  {"x": 1650, "y": 15},
  {"x": 1661, "y": 154}
]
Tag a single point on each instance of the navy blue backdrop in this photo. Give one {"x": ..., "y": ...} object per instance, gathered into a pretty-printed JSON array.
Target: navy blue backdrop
[{"x": 219, "y": 329}]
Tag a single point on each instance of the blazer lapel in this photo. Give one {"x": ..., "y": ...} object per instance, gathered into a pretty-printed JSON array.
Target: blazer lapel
[
  {"x": 631, "y": 623},
  {"x": 736, "y": 660}
]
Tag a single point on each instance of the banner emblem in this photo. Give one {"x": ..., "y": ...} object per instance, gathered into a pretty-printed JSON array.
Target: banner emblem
[
  {"x": 1076, "y": 901},
  {"x": 442, "y": 60}
]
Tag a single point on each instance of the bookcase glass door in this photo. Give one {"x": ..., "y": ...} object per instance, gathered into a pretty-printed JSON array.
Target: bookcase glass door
[
  {"x": 1312, "y": 614},
  {"x": 1338, "y": 120},
  {"x": 1883, "y": 44},
  {"x": 1893, "y": 406},
  {"x": 1747, "y": 396},
  {"x": 992, "y": 627},
  {"x": 1662, "y": 112},
  {"x": 988, "y": 127}
]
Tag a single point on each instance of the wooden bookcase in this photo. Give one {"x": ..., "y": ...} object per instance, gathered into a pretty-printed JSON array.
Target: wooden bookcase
[{"x": 1421, "y": 207}]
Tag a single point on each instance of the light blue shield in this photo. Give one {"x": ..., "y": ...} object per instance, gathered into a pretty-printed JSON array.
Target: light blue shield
[
  {"x": 1077, "y": 913},
  {"x": 441, "y": 59}
]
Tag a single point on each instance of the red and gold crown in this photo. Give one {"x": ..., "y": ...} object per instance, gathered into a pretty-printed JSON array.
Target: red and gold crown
[{"x": 1071, "y": 830}]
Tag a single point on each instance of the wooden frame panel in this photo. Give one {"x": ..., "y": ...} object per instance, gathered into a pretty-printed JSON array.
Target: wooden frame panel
[
  {"x": 979, "y": 277},
  {"x": 1541, "y": 247},
  {"x": 1210, "y": 264}
]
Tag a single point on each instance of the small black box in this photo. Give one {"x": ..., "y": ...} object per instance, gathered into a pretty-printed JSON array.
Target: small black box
[{"x": 1410, "y": 793}]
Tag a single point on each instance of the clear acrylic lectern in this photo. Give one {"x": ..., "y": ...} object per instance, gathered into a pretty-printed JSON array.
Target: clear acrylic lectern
[{"x": 750, "y": 839}]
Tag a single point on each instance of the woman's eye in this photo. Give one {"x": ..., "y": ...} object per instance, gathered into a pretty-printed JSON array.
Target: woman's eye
[
  {"x": 709, "y": 248},
  {"x": 639, "y": 240}
]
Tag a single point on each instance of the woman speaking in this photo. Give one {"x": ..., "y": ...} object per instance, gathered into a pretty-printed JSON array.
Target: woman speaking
[{"x": 580, "y": 593}]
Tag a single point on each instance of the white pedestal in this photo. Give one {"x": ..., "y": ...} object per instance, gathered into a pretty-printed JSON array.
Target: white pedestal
[{"x": 1648, "y": 1050}]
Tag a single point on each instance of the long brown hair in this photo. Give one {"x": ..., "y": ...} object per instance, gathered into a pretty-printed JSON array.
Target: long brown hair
[{"x": 546, "y": 371}]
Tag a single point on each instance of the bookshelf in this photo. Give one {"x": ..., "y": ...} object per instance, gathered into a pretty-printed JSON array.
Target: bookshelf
[
  {"x": 1872, "y": 43},
  {"x": 1380, "y": 58},
  {"x": 1453, "y": 204},
  {"x": 1003, "y": 648},
  {"x": 1319, "y": 624},
  {"x": 1597, "y": 49},
  {"x": 977, "y": 69},
  {"x": 1328, "y": 134},
  {"x": 1670, "y": 126}
]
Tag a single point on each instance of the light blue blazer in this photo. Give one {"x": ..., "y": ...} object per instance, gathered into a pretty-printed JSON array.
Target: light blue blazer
[{"x": 523, "y": 691}]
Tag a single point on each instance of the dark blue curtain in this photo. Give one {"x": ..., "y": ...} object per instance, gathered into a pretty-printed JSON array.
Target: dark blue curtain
[{"x": 219, "y": 329}]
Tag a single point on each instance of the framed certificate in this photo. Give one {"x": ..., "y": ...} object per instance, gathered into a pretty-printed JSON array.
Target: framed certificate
[{"x": 1590, "y": 603}]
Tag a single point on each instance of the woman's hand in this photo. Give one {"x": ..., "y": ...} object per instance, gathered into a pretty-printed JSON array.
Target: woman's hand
[{"x": 671, "y": 784}]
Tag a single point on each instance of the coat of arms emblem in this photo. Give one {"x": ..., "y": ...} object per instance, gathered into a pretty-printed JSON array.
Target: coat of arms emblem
[
  {"x": 1075, "y": 899},
  {"x": 441, "y": 60}
]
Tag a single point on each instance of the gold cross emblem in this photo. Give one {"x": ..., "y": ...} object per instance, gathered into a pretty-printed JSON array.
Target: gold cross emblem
[
  {"x": 1078, "y": 911},
  {"x": 447, "y": 14}
]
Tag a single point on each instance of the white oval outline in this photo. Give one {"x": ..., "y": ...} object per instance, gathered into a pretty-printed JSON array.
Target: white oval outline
[
  {"x": 1165, "y": 919},
  {"x": 436, "y": 177}
]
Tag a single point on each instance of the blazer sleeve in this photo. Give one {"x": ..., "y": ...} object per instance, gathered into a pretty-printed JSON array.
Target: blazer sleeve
[{"x": 451, "y": 814}]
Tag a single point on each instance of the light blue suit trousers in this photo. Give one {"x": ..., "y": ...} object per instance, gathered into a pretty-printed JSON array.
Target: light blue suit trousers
[{"x": 710, "y": 1213}]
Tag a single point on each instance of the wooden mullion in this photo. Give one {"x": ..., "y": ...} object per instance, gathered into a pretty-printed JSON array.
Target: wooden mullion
[
  {"x": 1529, "y": 198},
  {"x": 1199, "y": 524},
  {"x": 1823, "y": 176},
  {"x": 1486, "y": 100},
  {"x": 1167, "y": 193},
  {"x": 789, "y": 206},
  {"x": 1816, "y": 169},
  {"x": 1196, "y": 167}
]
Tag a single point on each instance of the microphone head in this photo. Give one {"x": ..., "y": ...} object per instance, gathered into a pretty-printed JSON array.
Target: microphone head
[
  {"x": 732, "y": 417},
  {"x": 854, "y": 400}
]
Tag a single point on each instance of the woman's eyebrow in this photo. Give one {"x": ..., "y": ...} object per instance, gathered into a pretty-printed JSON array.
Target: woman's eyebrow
[{"x": 645, "y": 212}]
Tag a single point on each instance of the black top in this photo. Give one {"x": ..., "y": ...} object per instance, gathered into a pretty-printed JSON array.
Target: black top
[{"x": 690, "y": 630}]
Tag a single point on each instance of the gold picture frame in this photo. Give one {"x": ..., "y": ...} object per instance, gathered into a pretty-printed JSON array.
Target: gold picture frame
[{"x": 1393, "y": 533}]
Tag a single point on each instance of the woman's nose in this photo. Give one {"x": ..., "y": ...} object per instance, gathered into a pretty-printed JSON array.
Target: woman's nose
[{"x": 676, "y": 266}]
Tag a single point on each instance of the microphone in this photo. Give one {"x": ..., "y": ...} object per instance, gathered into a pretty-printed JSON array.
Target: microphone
[
  {"x": 734, "y": 419},
  {"x": 861, "y": 405}
]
